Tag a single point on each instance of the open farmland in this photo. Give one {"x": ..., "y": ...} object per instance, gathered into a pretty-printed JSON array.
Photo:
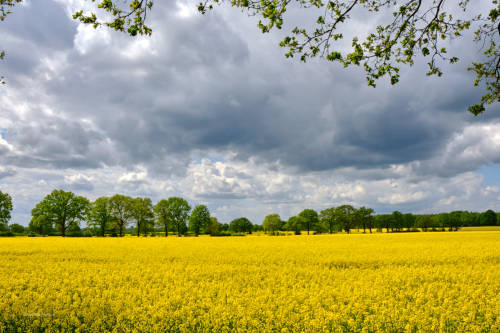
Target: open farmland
[{"x": 375, "y": 282}]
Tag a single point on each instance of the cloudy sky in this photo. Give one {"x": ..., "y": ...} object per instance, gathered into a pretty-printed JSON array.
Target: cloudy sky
[{"x": 209, "y": 109}]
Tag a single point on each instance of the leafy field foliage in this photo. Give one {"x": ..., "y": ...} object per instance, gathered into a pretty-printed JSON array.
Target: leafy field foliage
[{"x": 375, "y": 282}]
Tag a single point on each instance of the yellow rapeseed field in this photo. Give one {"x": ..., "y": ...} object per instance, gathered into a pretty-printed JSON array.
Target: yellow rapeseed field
[{"x": 429, "y": 282}]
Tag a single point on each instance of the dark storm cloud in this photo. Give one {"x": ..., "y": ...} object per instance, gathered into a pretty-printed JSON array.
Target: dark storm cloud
[
  {"x": 7, "y": 172},
  {"x": 53, "y": 143},
  {"x": 197, "y": 85},
  {"x": 45, "y": 22},
  {"x": 32, "y": 30}
]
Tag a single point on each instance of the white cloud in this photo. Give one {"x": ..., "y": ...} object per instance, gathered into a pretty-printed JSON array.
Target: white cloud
[
  {"x": 89, "y": 39},
  {"x": 78, "y": 179},
  {"x": 134, "y": 177},
  {"x": 5, "y": 147},
  {"x": 400, "y": 198},
  {"x": 186, "y": 10}
]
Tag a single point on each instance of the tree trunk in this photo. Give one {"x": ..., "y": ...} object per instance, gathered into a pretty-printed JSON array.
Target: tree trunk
[
  {"x": 121, "y": 229},
  {"x": 178, "y": 230},
  {"x": 63, "y": 228},
  {"x": 166, "y": 231},
  {"x": 138, "y": 229},
  {"x": 103, "y": 228}
]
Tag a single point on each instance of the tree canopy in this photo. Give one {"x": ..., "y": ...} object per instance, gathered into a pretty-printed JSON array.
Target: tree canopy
[
  {"x": 41, "y": 225},
  {"x": 17, "y": 228},
  {"x": 365, "y": 218},
  {"x": 5, "y": 208},
  {"x": 173, "y": 212},
  {"x": 120, "y": 210},
  {"x": 406, "y": 29},
  {"x": 62, "y": 209},
  {"x": 199, "y": 219},
  {"x": 328, "y": 218},
  {"x": 214, "y": 226},
  {"x": 488, "y": 218},
  {"x": 272, "y": 223},
  {"x": 345, "y": 216},
  {"x": 100, "y": 215},
  {"x": 241, "y": 224},
  {"x": 141, "y": 210},
  {"x": 310, "y": 219},
  {"x": 295, "y": 223}
]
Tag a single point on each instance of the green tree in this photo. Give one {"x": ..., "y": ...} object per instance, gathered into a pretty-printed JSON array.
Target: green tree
[
  {"x": 295, "y": 224},
  {"x": 214, "y": 226},
  {"x": 345, "y": 216},
  {"x": 310, "y": 218},
  {"x": 142, "y": 213},
  {"x": 488, "y": 218},
  {"x": 409, "y": 221},
  {"x": 476, "y": 218},
  {"x": 257, "y": 228},
  {"x": 328, "y": 218},
  {"x": 173, "y": 212},
  {"x": 398, "y": 220},
  {"x": 455, "y": 220},
  {"x": 272, "y": 223},
  {"x": 162, "y": 215},
  {"x": 5, "y": 206},
  {"x": 469, "y": 218},
  {"x": 41, "y": 225},
  {"x": 424, "y": 222},
  {"x": 63, "y": 209},
  {"x": 384, "y": 221},
  {"x": 466, "y": 218},
  {"x": 121, "y": 211},
  {"x": 443, "y": 221},
  {"x": 100, "y": 216},
  {"x": 17, "y": 228},
  {"x": 409, "y": 29},
  {"x": 241, "y": 224},
  {"x": 437, "y": 222},
  {"x": 199, "y": 219},
  {"x": 365, "y": 218}
]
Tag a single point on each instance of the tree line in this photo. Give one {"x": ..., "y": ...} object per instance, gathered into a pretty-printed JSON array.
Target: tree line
[
  {"x": 61, "y": 213},
  {"x": 346, "y": 218}
]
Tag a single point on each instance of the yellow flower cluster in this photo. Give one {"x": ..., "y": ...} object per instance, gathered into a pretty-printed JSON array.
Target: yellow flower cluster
[{"x": 422, "y": 282}]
